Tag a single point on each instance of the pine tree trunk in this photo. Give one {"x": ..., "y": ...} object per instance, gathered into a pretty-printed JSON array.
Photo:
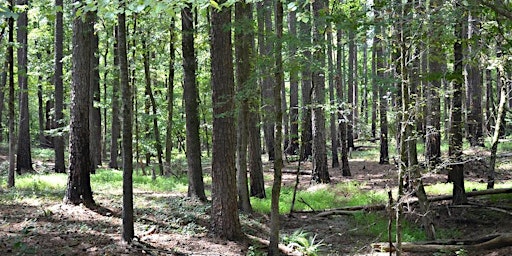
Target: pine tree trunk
[
  {"x": 58, "y": 141},
  {"x": 224, "y": 212},
  {"x": 320, "y": 168},
  {"x": 24, "y": 152},
  {"x": 293, "y": 145},
  {"x": 94, "y": 109},
  {"x": 383, "y": 97},
  {"x": 128, "y": 232},
  {"x": 332, "y": 124},
  {"x": 191, "y": 97},
  {"x": 12, "y": 137},
  {"x": 244, "y": 37},
  {"x": 474, "y": 87},
  {"x": 79, "y": 187},
  {"x": 350, "y": 89},
  {"x": 273, "y": 249},
  {"x": 456, "y": 173},
  {"x": 115, "y": 122},
  {"x": 342, "y": 119},
  {"x": 170, "y": 96},
  {"x": 306, "y": 88}
]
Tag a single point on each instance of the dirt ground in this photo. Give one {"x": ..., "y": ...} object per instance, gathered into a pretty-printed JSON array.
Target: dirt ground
[{"x": 38, "y": 226}]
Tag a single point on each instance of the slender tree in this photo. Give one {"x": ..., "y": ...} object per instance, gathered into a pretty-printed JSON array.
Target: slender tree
[
  {"x": 191, "y": 97},
  {"x": 293, "y": 145},
  {"x": 320, "y": 171},
  {"x": 94, "y": 101},
  {"x": 332, "y": 124},
  {"x": 127, "y": 113},
  {"x": 456, "y": 172},
  {"x": 170, "y": 95},
  {"x": 383, "y": 97},
  {"x": 10, "y": 61},
  {"x": 474, "y": 83},
  {"x": 58, "y": 141},
  {"x": 244, "y": 35},
  {"x": 265, "y": 47},
  {"x": 79, "y": 184},
  {"x": 224, "y": 213},
  {"x": 278, "y": 159},
  {"x": 306, "y": 86},
  {"x": 24, "y": 152},
  {"x": 342, "y": 120},
  {"x": 115, "y": 122}
]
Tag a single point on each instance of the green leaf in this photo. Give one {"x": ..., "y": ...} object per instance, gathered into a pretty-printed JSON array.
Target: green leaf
[{"x": 214, "y": 4}]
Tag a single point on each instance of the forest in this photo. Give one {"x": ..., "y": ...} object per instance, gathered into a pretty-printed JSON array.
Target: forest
[{"x": 255, "y": 127}]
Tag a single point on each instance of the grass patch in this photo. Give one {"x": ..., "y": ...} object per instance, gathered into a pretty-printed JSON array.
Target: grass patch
[
  {"x": 107, "y": 179},
  {"x": 320, "y": 197}
]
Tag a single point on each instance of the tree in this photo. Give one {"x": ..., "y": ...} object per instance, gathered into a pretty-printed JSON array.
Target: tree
[
  {"x": 115, "y": 122},
  {"x": 94, "y": 101},
  {"x": 23, "y": 153},
  {"x": 128, "y": 232},
  {"x": 332, "y": 124},
  {"x": 10, "y": 61},
  {"x": 383, "y": 97},
  {"x": 191, "y": 97},
  {"x": 306, "y": 86},
  {"x": 58, "y": 140},
  {"x": 224, "y": 216},
  {"x": 278, "y": 158},
  {"x": 170, "y": 94},
  {"x": 79, "y": 184},
  {"x": 456, "y": 173},
  {"x": 293, "y": 145},
  {"x": 320, "y": 171},
  {"x": 342, "y": 120},
  {"x": 244, "y": 45}
]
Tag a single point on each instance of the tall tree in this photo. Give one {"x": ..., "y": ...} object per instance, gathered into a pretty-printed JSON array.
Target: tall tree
[
  {"x": 306, "y": 86},
  {"x": 115, "y": 122},
  {"x": 23, "y": 153},
  {"x": 293, "y": 145},
  {"x": 10, "y": 61},
  {"x": 224, "y": 213},
  {"x": 456, "y": 173},
  {"x": 383, "y": 97},
  {"x": 342, "y": 120},
  {"x": 320, "y": 171},
  {"x": 79, "y": 184},
  {"x": 58, "y": 140},
  {"x": 278, "y": 159},
  {"x": 191, "y": 97},
  {"x": 244, "y": 35},
  {"x": 154, "y": 111},
  {"x": 128, "y": 232},
  {"x": 474, "y": 83},
  {"x": 433, "y": 116},
  {"x": 267, "y": 85},
  {"x": 332, "y": 124},
  {"x": 94, "y": 102},
  {"x": 351, "y": 85},
  {"x": 170, "y": 95}
]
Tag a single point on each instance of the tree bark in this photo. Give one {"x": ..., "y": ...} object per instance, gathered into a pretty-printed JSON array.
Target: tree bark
[
  {"x": 12, "y": 137},
  {"x": 116, "y": 122},
  {"x": 170, "y": 96},
  {"x": 342, "y": 120},
  {"x": 456, "y": 173},
  {"x": 332, "y": 102},
  {"x": 224, "y": 213},
  {"x": 79, "y": 187},
  {"x": 500, "y": 119},
  {"x": 24, "y": 152},
  {"x": 293, "y": 145},
  {"x": 94, "y": 109},
  {"x": 383, "y": 97},
  {"x": 306, "y": 86},
  {"x": 58, "y": 140},
  {"x": 191, "y": 97},
  {"x": 320, "y": 168},
  {"x": 278, "y": 159},
  {"x": 244, "y": 46}
]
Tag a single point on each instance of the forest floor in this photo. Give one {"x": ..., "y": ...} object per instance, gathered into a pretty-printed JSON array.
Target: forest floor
[{"x": 168, "y": 223}]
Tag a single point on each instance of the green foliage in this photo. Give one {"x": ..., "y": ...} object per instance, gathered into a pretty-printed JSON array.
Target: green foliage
[
  {"x": 105, "y": 179},
  {"x": 303, "y": 242}
]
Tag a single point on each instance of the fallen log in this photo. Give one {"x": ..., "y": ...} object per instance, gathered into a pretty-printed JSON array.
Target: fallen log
[
  {"x": 380, "y": 207},
  {"x": 489, "y": 242},
  {"x": 283, "y": 248}
]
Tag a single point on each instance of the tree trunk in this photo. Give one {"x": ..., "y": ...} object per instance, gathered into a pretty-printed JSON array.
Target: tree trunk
[
  {"x": 94, "y": 109},
  {"x": 10, "y": 61},
  {"x": 320, "y": 168},
  {"x": 24, "y": 152},
  {"x": 79, "y": 187},
  {"x": 170, "y": 96},
  {"x": 58, "y": 140},
  {"x": 500, "y": 119},
  {"x": 306, "y": 87},
  {"x": 265, "y": 48},
  {"x": 191, "y": 97},
  {"x": 128, "y": 230},
  {"x": 244, "y": 46},
  {"x": 350, "y": 89},
  {"x": 383, "y": 97},
  {"x": 456, "y": 173},
  {"x": 273, "y": 249},
  {"x": 116, "y": 122},
  {"x": 332, "y": 102},
  {"x": 342, "y": 120},
  {"x": 474, "y": 86},
  {"x": 224, "y": 213},
  {"x": 293, "y": 145}
]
